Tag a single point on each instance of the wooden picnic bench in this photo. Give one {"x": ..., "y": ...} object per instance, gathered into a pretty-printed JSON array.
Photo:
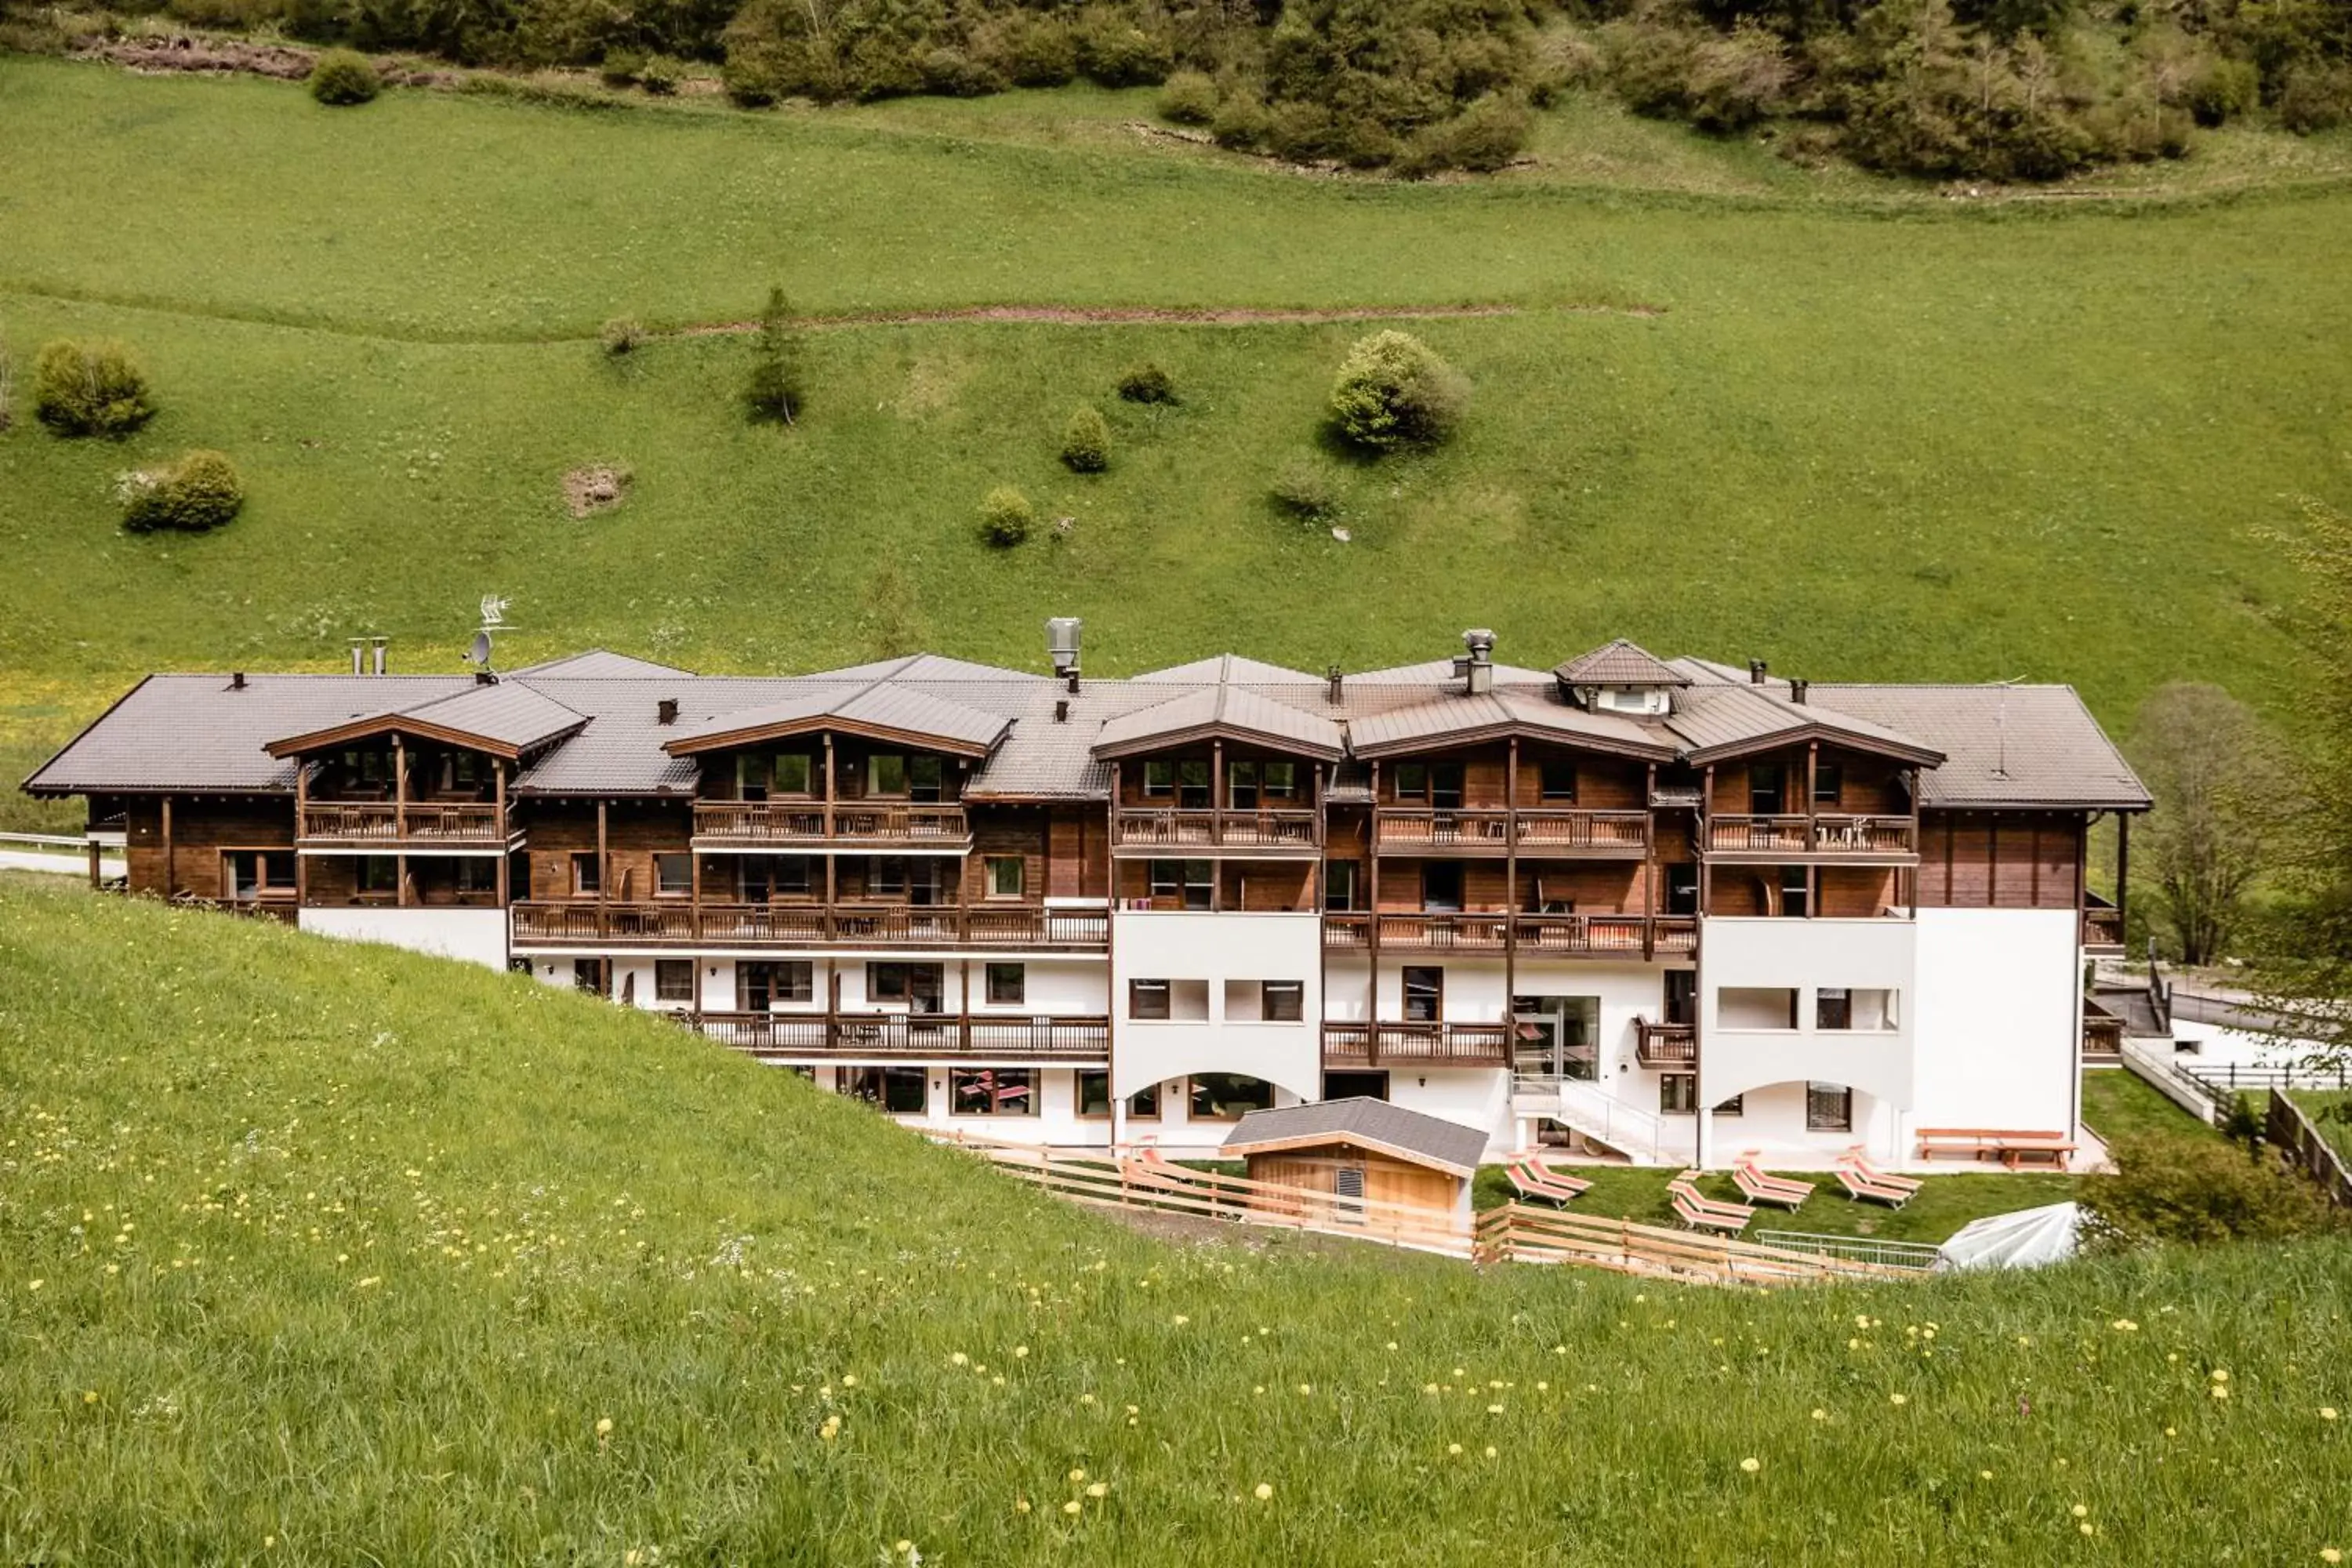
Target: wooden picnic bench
[{"x": 2012, "y": 1148}]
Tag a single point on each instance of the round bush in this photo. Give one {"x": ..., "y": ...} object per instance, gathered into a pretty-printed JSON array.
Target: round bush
[
  {"x": 93, "y": 388},
  {"x": 1086, "y": 442},
  {"x": 194, "y": 495},
  {"x": 1303, "y": 490},
  {"x": 1394, "y": 391},
  {"x": 1189, "y": 99},
  {"x": 1005, "y": 517},
  {"x": 660, "y": 76},
  {"x": 342, "y": 77},
  {"x": 622, "y": 335},
  {"x": 620, "y": 67},
  {"x": 1240, "y": 123},
  {"x": 1146, "y": 383}
]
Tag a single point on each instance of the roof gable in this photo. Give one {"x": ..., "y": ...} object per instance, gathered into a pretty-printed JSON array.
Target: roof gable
[
  {"x": 1412, "y": 1136},
  {"x": 1220, "y": 711},
  {"x": 1619, "y": 662},
  {"x": 504, "y": 720}
]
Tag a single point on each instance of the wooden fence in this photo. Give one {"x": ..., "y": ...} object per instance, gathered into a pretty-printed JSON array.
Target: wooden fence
[{"x": 2290, "y": 1130}]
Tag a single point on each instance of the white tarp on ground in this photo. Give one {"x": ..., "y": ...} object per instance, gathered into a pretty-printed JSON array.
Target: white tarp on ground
[{"x": 2026, "y": 1239}]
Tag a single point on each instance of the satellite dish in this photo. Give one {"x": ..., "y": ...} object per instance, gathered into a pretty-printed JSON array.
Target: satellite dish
[{"x": 480, "y": 654}]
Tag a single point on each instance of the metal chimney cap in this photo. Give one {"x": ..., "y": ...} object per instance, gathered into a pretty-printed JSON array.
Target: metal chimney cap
[{"x": 1479, "y": 641}]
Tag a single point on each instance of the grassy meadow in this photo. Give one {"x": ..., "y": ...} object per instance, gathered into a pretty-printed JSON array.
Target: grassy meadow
[
  {"x": 317, "y": 1253},
  {"x": 1864, "y": 435}
]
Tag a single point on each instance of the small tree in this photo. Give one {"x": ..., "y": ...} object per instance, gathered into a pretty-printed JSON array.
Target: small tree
[
  {"x": 1085, "y": 441},
  {"x": 2225, "y": 788},
  {"x": 93, "y": 388},
  {"x": 198, "y": 493},
  {"x": 1146, "y": 383},
  {"x": 1005, "y": 517},
  {"x": 1303, "y": 490},
  {"x": 344, "y": 76},
  {"x": 1394, "y": 391},
  {"x": 773, "y": 389}
]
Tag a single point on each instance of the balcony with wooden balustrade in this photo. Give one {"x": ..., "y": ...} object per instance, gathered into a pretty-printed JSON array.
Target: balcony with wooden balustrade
[
  {"x": 1884, "y": 839},
  {"x": 2102, "y": 927},
  {"x": 390, "y": 826},
  {"x": 1150, "y": 831},
  {"x": 1658, "y": 1045},
  {"x": 1631, "y": 936},
  {"x": 909, "y": 1036},
  {"x": 675, "y": 923},
  {"x": 1540, "y": 833},
  {"x": 1401, "y": 1044},
  {"x": 893, "y": 825}
]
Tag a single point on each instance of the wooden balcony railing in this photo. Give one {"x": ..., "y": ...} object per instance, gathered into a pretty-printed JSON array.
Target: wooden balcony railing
[
  {"x": 1179, "y": 830},
  {"x": 1787, "y": 834},
  {"x": 1598, "y": 936},
  {"x": 1659, "y": 1045},
  {"x": 2103, "y": 925},
  {"x": 383, "y": 822},
  {"x": 1415, "y": 1045},
  {"x": 1581, "y": 832},
  {"x": 916, "y": 1037},
  {"x": 1463, "y": 829},
  {"x": 802, "y": 822},
  {"x": 2103, "y": 1037},
  {"x": 1488, "y": 830},
  {"x": 808, "y": 925}
]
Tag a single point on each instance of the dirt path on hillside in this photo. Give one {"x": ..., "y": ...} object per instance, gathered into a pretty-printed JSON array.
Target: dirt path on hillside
[{"x": 1161, "y": 316}]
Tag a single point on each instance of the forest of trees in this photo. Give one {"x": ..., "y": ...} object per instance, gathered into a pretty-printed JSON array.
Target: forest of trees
[{"x": 1997, "y": 90}]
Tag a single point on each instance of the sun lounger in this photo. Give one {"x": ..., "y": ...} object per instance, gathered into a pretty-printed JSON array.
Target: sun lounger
[
  {"x": 1858, "y": 1186},
  {"x": 1534, "y": 1183},
  {"x": 1758, "y": 1187},
  {"x": 1699, "y": 1212},
  {"x": 1863, "y": 1166}
]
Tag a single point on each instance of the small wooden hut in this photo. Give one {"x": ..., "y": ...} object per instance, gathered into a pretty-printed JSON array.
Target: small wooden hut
[{"x": 1349, "y": 1150}]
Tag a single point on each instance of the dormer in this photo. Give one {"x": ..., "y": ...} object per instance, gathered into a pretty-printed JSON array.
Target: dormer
[{"x": 1621, "y": 678}]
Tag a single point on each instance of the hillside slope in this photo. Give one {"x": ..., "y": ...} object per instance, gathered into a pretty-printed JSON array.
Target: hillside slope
[{"x": 321, "y": 1254}]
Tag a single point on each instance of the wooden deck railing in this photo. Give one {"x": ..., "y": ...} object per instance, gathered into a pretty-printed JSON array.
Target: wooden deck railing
[
  {"x": 1456, "y": 828},
  {"x": 2103, "y": 926},
  {"x": 805, "y": 822},
  {"x": 2103, "y": 1037},
  {"x": 913, "y": 1036},
  {"x": 1597, "y": 935},
  {"x": 383, "y": 822},
  {"x": 1664, "y": 1045},
  {"x": 873, "y": 925},
  {"x": 1794, "y": 835},
  {"x": 1489, "y": 829},
  {"x": 1425, "y": 1045},
  {"x": 1570, "y": 832},
  {"x": 1178, "y": 831}
]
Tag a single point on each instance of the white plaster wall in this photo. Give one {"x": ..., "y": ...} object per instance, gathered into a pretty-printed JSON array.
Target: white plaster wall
[
  {"x": 1998, "y": 1019},
  {"x": 478, "y": 936},
  {"x": 1479, "y": 1097},
  {"x": 1186, "y": 945},
  {"x": 1807, "y": 955}
]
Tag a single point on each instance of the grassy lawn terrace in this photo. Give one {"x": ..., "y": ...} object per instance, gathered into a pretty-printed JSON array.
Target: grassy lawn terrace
[{"x": 1942, "y": 1205}]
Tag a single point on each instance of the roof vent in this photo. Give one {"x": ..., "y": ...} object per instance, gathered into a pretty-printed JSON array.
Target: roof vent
[
  {"x": 1755, "y": 672},
  {"x": 1333, "y": 692},
  {"x": 1478, "y": 664},
  {"x": 359, "y": 655},
  {"x": 1797, "y": 690},
  {"x": 1061, "y": 711},
  {"x": 237, "y": 680},
  {"x": 485, "y": 677},
  {"x": 377, "y": 653},
  {"x": 666, "y": 710},
  {"x": 1062, "y": 647}
]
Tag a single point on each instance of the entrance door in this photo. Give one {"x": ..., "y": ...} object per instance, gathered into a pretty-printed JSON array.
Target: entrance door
[
  {"x": 1556, "y": 1037},
  {"x": 1682, "y": 996}
]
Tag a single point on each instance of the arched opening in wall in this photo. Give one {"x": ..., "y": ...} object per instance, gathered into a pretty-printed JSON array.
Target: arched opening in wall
[
  {"x": 1804, "y": 1125},
  {"x": 1225, "y": 1096}
]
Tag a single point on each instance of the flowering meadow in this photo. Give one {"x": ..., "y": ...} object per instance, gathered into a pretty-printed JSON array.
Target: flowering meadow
[{"x": 317, "y": 1253}]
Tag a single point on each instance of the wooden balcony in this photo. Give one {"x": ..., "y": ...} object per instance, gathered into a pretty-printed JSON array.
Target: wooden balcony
[
  {"x": 1415, "y": 1045},
  {"x": 677, "y": 923},
  {"x": 1493, "y": 831},
  {"x": 1543, "y": 936},
  {"x": 2102, "y": 1038},
  {"x": 1611, "y": 834},
  {"x": 1452, "y": 832},
  {"x": 382, "y": 824},
  {"x": 1174, "y": 833},
  {"x": 1659, "y": 1045},
  {"x": 2102, "y": 928},
  {"x": 887, "y": 1037},
  {"x": 1777, "y": 837},
  {"x": 786, "y": 824}
]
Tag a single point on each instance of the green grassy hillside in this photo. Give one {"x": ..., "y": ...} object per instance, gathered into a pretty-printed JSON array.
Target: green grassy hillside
[
  {"x": 316, "y": 1253},
  {"x": 1866, "y": 439}
]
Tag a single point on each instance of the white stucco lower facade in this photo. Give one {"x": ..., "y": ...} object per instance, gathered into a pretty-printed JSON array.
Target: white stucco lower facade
[
  {"x": 1213, "y": 961},
  {"x": 476, "y": 936},
  {"x": 1999, "y": 1020}
]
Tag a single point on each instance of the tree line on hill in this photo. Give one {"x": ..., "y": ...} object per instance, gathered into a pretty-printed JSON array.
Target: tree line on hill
[{"x": 2000, "y": 90}]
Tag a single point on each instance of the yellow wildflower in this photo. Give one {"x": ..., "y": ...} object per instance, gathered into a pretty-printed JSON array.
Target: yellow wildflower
[
  {"x": 1076, "y": 1476},
  {"x": 1073, "y": 1506},
  {"x": 1751, "y": 1465},
  {"x": 1100, "y": 1489},
  {"x": 1263, "y": 1492},
  {"x": 605, "y": 1427}
]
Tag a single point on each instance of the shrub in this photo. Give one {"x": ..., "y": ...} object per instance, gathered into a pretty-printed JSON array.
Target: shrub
[
  {"x": 93, "y": 388},
  {"x": 1146, "y": 383},
  {"x": 1482, "y": 138},
  {"x": 1005, "y": 516},
  {"x": 1394, "y": 391},
  {"x": 1117, "y": 53},
  {"x": 1304, "y": 489},
  {"x": 2223, "y": 90},
  {"x": 1299, "y": 131},
  {"x": 1029, "y": 49},
  {"x": 1189, "y": 99},
  {"x": 198, "y": 493},
  {"x": 2170, "y": 1189},
  {"x": 1086, "y": 442},
  {"x": 660, "y": 76},
  {"x": 622, "y": 335},
  {"x": 620, "y": 67},
  {"x": 751, "y": 79},
  {"x": 1240, "y": 122},
  {"x": 773, "y": 389},
  {"x": 956, "y": 74},
  {"x": 2315, "y": 98},
  {"x": 344, "y": 76}
]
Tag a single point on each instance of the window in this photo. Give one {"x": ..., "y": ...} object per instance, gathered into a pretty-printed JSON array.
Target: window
[
  {"x": 751, "y": 778},
  {"x": 674, "y": 980},
  {"x": 1178, "y": 1001},
  {"x": 250, "y": 874},
  {"x": 994, "y": 1092},
  {"x": 1265, "y": 1001},
  {"x": 1158, "y": 778},
  {"x": 1339, "y": 885},
  {"x": 1281, "y": 781},
  {"x": 1094, "y": 1096},
  {"x": 1441, "y": 886},
  {"x": 1828, "y": 1108},
  {"x": 588, "y": 975},
  {"x": 1764, "y": 792},
  {"x": 1833, "y": 1009},
  {"x": 1558, "y": 781},
  {"x": 1828, "y": 784},
  {"x": 1425, "y": 994},
  {"x": 887, "y": 874},
  {"x": 765, "y": 876},
  {"x": 1682, "y": 889},
  {"x": 1872, "y": 1009},
  {"x": 1445, "y": 785},
  {"x": 901, "y": 1092},
  {"x": 1756, "y": 1008},
  {"x": 1735, "y": 1106},
  {"x": 1682, "y": 996},
  {"x": 919, "y": 985},
  {"x": 795, "y": 980},
  {"x": 1005, "y": 875},
  {"x": 885, "y": 773},
  {"x": 1008, "y": 984},
  {"x": 926, "y": 778},
  {"x": 1144, "y": 1104},
  {"x": 478, "y": 877},
  {"x": 381, "y": 874},
  {"x": 1147, "y": 999},
  {"x": 1677, "y": 1094},
  {"x": 587, "y": 874},
  {"x": 1225, "y": 1096},
  {"x": 1191, "y": 883},
  {"x": 1412, "y": 781},
  {"x": 1796, "y": 892},
  {"x": 793, "y": 774},
  {"x": 760, "y": 984},
  {"x": 1355, "y": 1085},
  {"x": 1192, "y": 783},
  {"x": 673, "y": 875},
  {"x": 1241, "y": 785}
]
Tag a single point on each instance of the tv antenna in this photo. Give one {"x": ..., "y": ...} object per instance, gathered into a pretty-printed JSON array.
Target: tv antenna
[
  {"x": 493, "y": 619},
  {"x": 2000, "y": 724}
]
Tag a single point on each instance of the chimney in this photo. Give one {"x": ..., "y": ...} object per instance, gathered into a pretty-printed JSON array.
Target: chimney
[
  {"x": 359, "y": 655},
  {"x": 1332, "y": 675},
  {"x": 1062, "y": 647},
  {"x": 485, "y": 677},
  {"x": 376, "y": 649},
  {"x": 1797, "y": 690},
  {"x": 1061, "y": 711},
  {"x": 237, "y": 680},
  {"x": 1755, "y": 672},
  {"x": 1478, "y": 665},
  {"x": 666, "y": 710}
]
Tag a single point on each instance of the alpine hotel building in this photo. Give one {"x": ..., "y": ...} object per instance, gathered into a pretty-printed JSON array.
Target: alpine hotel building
[{"x": 1667, "y": 910}]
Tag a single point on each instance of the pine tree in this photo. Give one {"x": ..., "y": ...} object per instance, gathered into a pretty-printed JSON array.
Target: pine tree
[{"x": 773, "y": 389}]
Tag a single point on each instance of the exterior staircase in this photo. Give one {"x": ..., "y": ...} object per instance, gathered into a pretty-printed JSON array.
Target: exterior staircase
[{"x": 1642, "y": 1137}]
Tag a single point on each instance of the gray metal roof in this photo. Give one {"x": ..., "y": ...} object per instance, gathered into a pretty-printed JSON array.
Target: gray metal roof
[
  {"x": 598, "y": 664},
  {"x": 1620, "y": 663},
  {"x": 1234, "y": 709},
  {"x": 508, "y": 713},
  {"x": 1362, "y": 1121},
  {"x": 2009, "y": 746}
]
